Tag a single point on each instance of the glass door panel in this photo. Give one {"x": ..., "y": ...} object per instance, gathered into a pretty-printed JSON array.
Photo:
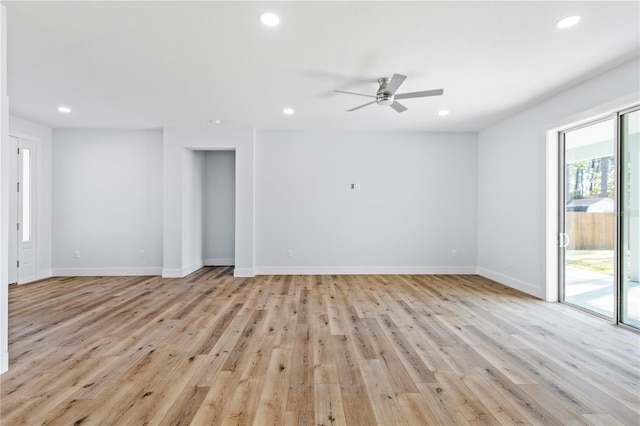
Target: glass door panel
[
  {"x": 630, "y": 223},
  {"x": 588, "y": 219}
]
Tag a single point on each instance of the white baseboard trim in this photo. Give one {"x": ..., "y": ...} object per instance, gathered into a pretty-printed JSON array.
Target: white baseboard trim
[
  {"x": 244, "y": 272},
  {"x": 190, "y": 269},
  {"x": 365, "y": 270},
  {"x": 219, "y": 261},
  {"x": 180, "y": 273},
  {"x": 172, "y": 273},
  {"x": 4, "y": 362},
  {"x": 104, "y": 272},
  {"x": 511, "y": 282}
]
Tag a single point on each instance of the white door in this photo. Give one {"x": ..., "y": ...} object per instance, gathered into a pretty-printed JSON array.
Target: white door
[{"x": 26, "y": 211}]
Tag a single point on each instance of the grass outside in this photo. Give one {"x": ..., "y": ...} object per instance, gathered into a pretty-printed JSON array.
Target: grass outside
[{"x": 595, "y": 260}]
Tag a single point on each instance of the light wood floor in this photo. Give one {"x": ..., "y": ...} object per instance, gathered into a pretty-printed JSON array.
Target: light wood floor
[{"x": 316, "y": 350}]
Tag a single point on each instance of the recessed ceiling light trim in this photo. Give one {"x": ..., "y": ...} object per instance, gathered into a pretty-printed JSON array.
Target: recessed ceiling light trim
[
  {"x": 64, "y": 109},
  {"x": 288, "y": 111},
  {"x": 444, "y": 112},
  {"x": 270, "y": 19},
  {"x": 567, "y": 22}
]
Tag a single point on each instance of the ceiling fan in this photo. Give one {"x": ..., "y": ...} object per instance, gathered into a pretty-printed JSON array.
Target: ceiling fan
[{"x": 386, "y": 94}]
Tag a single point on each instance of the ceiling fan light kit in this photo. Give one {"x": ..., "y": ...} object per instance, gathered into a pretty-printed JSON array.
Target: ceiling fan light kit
[{"x": 386, "y": 94}]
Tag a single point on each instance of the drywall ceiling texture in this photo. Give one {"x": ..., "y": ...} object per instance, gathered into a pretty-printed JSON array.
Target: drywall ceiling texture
[{"x": 161, "y": 64}]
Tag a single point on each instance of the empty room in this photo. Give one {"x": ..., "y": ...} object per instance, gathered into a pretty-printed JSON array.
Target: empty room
[{"x": 320, "y": 212}]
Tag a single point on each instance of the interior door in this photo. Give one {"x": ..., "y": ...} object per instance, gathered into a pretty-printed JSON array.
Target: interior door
[
  {"x": 588, "y": 218},
  {"x": 26, "y": 189}
]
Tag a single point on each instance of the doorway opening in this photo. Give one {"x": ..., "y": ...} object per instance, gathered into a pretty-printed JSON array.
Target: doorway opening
[{"x": 219, "y": 208}]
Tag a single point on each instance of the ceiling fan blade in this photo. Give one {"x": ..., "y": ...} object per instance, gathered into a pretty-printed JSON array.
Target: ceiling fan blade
[
  {"x": 436, "y": 92},
  {"x": 398, "y": 107},
  {"x": 361, "y": 106},
  {"x": 352, "y": 93},
  {"x": 394, "y": 83}
]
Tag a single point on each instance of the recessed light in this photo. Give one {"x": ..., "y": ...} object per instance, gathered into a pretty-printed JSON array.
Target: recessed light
[
  {"x": 287, "y": 111},
  {"x": 270, "y": 19},
  {"x": 64, "y": 109},
  {"x": 567, "y": 22},
  {"x": 443, "y": 113}
]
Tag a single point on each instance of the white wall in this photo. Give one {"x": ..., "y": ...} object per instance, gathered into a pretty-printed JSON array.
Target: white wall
[
  {"x": 4, "y": 197},
  {"x": 43, "y": 136},
  {"x": 219, "y": 209},
  {"x": 193, "y": 208},
  {"x": 107, "y": 202},
  {"x": 513, "y": 209},
  {"x": 180, "y": 231},
  {"x": 417, "y": 202}
]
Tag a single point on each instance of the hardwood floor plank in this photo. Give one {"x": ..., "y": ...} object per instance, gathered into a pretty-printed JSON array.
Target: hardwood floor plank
[
  {"x": 211, "y": 348},
  {"x": 273, "y": 398},
  {"x": 500, "y": 407},
  {"x": 384, "y": 400},
  {"x": 442, "y": 404},
  {"x": 355, "y": 399},
  {"x": 213, "y": 407},
  {"x": 328, "y": 405},
  {"x": 411, "y": 359},
  {"x": 400, "y": 378},
  {"x": 301, "y": 391},
  {"x": 471, "y": 407},
  {"x": 245, "y": 341},
  {"x": 185, "y": 407}
]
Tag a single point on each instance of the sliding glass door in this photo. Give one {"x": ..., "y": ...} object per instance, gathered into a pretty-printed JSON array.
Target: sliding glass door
[
  {"x": 588, "y": 218},
  {"x": 630, "y": 223},
  {"x": 599, "y": 225}
]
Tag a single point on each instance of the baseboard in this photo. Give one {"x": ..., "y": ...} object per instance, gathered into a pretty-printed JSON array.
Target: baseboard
[
  {"x": 511, "y": 282},
  {"x": 219, "y": 261},
  {"x": 244, "y": 272},
  {"x": 4, "y": 362},
  {"x": 104, "y": 272},
  {"x": 172, "y": 273},
  {"x": 180, "y": 272},
  {"x": 366, "y": 270}
]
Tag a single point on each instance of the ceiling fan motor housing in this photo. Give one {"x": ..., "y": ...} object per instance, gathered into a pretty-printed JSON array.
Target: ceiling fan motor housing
[{"x": 383, "y": 98}]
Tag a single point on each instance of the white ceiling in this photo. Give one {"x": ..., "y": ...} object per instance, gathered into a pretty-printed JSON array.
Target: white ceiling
[{"x": 157, "y": 64}]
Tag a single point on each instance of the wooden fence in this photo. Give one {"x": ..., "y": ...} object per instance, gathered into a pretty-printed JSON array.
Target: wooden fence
[{"x": 590, "y": 231}]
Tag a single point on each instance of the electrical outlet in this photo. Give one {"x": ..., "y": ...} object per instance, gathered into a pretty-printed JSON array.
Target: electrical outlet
[
  {"x": 141, "y": 253},
  {"x": 76, "y": 254},
  {"x": 290, "y": 253},
  {"x": 454, "y": 253}
]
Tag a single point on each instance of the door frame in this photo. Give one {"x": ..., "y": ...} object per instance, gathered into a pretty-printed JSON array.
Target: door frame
[{"x": 620, "y": 250}]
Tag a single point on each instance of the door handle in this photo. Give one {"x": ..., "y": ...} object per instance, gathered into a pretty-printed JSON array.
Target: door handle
[{"x": 563, "y": 239}]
